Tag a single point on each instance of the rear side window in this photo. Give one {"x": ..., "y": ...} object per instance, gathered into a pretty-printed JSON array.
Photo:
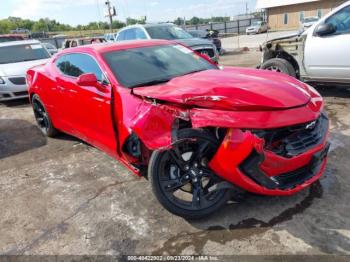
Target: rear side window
[
  {"x": 121, "y": 36},
  {"x": 140, "y": 34},
  {"x": 75, "y": 65},
  {"x": 130, "y": 34}
]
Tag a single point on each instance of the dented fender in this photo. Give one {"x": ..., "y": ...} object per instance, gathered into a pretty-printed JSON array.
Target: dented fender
[{"x": 154, "y": 124}]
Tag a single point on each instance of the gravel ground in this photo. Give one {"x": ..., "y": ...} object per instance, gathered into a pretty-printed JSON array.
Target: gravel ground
[{"x": 63, "y": 197}]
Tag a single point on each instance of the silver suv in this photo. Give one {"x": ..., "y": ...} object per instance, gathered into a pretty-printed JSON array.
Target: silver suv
[
  {"x": 15, "y": 59},
  {"x": 169, "y": 32}
]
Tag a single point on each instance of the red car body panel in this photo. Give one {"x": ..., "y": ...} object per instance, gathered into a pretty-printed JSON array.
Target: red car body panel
[
  {"x": 237, "y": 89},
  {"x": 238, "y": 145},
  {"x": 235, "y": 98}
]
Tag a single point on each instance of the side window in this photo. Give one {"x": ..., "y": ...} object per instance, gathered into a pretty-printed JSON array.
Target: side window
[
  {"x": 77, "y": 64},
  {"x": 341, "y": 20},
  {"x": 285, "y": 19},
  {"x": 121, "y": 36},
  {"x": 60, "y": 64},
  {"x": 130, "y": 34},
  {"x": 140, "y": 34}
]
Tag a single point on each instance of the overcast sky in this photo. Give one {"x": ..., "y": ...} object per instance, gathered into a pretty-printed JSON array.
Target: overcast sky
[{"x": 84, "y": 11}]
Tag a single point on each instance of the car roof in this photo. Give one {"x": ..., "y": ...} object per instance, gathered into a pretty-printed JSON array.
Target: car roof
[
  {"x": 21, "y": 42},
  {"x": 116, "y": 46}
]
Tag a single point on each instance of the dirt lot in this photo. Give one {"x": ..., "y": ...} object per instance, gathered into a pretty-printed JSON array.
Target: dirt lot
[{"x": 61, "y": 196}]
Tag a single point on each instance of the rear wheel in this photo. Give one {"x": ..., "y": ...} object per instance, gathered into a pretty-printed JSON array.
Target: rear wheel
[
  {"x": 42, "y": 118},
  {"x": 279, "y": 65},
  {"x": 181, "y": 179}
]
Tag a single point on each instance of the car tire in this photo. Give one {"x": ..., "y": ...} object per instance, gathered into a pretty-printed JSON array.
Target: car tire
[
  {"x": 161, "y": 161},
  {"x": 279, "y": 65},
  {"x": 42, "y": 117}
]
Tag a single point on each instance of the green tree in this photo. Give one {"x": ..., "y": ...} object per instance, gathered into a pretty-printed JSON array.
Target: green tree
[
  {"x": 195, "y": 21},
  {"x": 179, "y": 21}
]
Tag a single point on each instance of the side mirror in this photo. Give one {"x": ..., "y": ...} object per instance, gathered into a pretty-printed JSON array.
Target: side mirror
[
  {"x": 88, "y": 79},
  {"x": 325, "y": 29}
]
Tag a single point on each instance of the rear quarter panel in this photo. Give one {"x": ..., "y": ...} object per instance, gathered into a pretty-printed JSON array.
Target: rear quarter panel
[{"x": 41, "y": 82}]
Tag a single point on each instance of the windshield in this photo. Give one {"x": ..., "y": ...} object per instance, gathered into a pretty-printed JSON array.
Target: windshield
[
  {"x": 21, "y": 53},
  {"x": 152, "y": 65},
  {"x": 257, "y": 23},
  {"x": 167, "y": 32}
]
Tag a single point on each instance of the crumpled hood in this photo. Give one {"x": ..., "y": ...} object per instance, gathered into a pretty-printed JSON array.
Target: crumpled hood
[
  {"x": 232, "y": 89},
  {"x": 19, "y": 69}
]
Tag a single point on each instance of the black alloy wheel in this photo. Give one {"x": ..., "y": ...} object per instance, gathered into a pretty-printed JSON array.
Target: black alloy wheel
[
  {"x": 42, "y": 118},
  {"x": 181, "y": 179}
]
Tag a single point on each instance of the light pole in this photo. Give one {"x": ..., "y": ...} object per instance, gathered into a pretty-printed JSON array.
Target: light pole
[{"x": 110, "y": 13}]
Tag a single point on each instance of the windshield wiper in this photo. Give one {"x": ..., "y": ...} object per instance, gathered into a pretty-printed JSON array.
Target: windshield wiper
[{"x": 153, "y": 82}]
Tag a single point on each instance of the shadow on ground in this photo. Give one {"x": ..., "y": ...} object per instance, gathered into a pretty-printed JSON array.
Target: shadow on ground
[
  {"x": 18, "y": 136},
  {"x": 18, "y": 103}
]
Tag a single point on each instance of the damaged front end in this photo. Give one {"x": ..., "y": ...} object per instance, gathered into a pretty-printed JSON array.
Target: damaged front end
[{"x": 280, "y": 159}]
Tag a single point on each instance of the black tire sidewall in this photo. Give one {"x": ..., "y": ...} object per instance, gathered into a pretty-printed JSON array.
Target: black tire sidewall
[
  {"x": 163, "y": 200},
  {"x": 51, "y": 131},
  {"x": 282, "y": 64}
]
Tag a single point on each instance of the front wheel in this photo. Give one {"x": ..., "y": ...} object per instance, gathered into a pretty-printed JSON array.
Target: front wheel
[
  {"x": 279, "y": 65},
  {"x": 181, "y": 179}
]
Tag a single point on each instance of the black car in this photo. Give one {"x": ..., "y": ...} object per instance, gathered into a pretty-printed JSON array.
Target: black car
[{"x": 211, "y": 35}]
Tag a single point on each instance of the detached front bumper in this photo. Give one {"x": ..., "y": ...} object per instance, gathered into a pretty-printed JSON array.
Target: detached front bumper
[{"x": 259, "y": 163}]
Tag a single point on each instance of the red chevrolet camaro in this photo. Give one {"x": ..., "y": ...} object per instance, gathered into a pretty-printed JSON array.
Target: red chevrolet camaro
[{"x": 195, "y": 130}]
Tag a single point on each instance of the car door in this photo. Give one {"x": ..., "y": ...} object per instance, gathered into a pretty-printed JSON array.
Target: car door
[
  {"x": 328, "y": 57},
  {"x": 86, "y": 110}
]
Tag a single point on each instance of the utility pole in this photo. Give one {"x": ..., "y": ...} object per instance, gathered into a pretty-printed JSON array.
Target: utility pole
[
  {"x": 110, "y": 13},
  {"x": 246, "y": 8}
]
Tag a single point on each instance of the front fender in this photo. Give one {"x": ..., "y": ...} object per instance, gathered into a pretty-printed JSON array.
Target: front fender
[{"x": 154, "y": 125}]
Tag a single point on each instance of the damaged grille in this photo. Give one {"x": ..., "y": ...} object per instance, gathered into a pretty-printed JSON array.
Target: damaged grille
[
  {"x": 251, "y": 168},
  {"x": 295, "y": 140}
]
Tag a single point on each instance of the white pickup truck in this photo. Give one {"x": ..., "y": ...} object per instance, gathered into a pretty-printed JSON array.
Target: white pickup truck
[{"x": 321, "y": 54}]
